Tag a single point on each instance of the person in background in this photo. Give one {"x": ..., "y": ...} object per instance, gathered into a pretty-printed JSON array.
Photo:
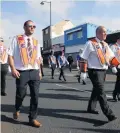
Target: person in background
[
  {"x": 62, "y": 61},
  {"x": 116, "y": 49},
  {"x": 4, "y": 66},
  {"x": 70, "y": 60},
  {"x": 52, "y": 63}
]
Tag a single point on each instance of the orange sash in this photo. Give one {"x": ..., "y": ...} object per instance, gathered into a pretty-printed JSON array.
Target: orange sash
[
  {"x": 3, "y": 54},
  {"x": 99, "y": 51},
  {"x": 104, "y": 58},
  {"x": 24, "y": 53}
]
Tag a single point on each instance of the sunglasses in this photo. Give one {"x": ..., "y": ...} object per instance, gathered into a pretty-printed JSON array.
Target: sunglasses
[{"x": 32, "y": 26}]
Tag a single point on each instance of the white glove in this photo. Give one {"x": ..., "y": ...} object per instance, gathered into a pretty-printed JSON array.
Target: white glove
[
  {"x": 59, "y": 66},
  {"x": 114, "y": 70},
  {"x": 83, "y": 76},
  {"x": 49, "y": 65},
  {"x": 77, "y": 67},
  {"x": 119, "y": 66},
  {"x": 56, "y": 66},
  {"x": 9, "y": 69}
]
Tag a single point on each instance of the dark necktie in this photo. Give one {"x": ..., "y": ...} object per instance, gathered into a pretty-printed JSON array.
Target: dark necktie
[
  {"x": 29, "y": 48},
  {"x": 103, "y": 47}
]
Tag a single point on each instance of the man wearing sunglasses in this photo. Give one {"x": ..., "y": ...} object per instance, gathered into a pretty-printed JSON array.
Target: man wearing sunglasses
[
  {"x": 4, "y": 66},
  {"x": 24, "y": 59}
]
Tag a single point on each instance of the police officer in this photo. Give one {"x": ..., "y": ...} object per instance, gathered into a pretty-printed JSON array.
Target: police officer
[
  {"x": 62, "y": 61},
  {"x": 116, "y": 49},
  {"x": 4, "y": 66},
  {"x": 24, "y": 55},
  {"x": 52, "y": 63},
  {"x": 98, "y": 56}
]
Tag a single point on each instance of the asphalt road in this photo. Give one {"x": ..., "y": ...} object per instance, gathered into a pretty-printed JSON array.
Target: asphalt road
[{"x": 62, "y": 107}]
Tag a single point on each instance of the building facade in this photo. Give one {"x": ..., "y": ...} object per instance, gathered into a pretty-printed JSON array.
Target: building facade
[{"x": 53, "y": 38}]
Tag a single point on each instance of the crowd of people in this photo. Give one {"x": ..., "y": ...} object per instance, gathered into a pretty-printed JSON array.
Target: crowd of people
[{"x": 26, "y": 64}]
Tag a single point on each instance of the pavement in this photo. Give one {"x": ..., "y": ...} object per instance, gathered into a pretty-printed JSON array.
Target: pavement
[{"x": 62, "y": 107}]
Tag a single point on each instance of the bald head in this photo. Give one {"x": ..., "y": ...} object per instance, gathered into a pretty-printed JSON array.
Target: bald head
[{"x": 101, "y": 33}]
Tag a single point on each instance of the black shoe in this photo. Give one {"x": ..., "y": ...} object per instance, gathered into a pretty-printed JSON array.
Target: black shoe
[
  {"x": 84, "y": 83},
  {"x": 3, "y": 94},
  {"x": 64, "y": 79},
  {"x": 52, "y": 77},
  {"x": 78, "y": 80},
  {"x": 93, "y": 111},
  {"x": 112, "y": 118},
  {"x": 115, "y": 98},
  {"x": 59, "y": 78}
]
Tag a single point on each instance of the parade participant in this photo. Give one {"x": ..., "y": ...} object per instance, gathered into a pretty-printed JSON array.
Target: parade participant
[
  {"x": 24, "y": 54},
  {"x": 116, "y": 49},
  {"x": 70, "y": 60},
  {"x": 4, "y": 66},
  {"x": 62, "y": 61},
  {"x": 98, "y": 56},
  {"x": 81, "y": 72},
  {"x": 52, "y": 63}
]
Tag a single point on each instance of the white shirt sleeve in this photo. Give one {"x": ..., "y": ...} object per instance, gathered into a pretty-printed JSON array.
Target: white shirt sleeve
[
  {"x": 113, "y": 48},
  {"x": 11, "y": 49},
  {"x": 86, "y": 52}
]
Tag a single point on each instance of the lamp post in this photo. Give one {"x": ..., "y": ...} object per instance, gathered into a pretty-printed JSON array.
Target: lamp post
[{"x": 49, "y": 2}]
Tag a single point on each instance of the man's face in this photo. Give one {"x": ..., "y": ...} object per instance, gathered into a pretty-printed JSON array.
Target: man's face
[
  {"x": 30, "y": 28},
  {"x": 101, "y": 34}
]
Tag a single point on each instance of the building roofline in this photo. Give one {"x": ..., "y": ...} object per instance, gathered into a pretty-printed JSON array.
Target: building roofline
[{"x": 84, "y": 24}]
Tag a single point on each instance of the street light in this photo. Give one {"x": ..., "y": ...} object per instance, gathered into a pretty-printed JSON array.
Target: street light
[{"x": 49, "y": 2}]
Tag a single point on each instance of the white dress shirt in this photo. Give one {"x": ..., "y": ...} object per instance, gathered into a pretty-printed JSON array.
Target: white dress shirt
[
  {"x": 115, "y": 49},
  {"x": 15, "y": 52},
  {"x": 91, "y": 56}
]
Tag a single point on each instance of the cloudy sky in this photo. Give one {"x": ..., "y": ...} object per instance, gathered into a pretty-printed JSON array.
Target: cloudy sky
[{"x": 15, "y": 13}]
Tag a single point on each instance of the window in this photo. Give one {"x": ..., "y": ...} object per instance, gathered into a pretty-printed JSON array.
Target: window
[
  {"x": 70, "y": 36},
  {"x": 79, "y": 34},
  {"x": 46, "y": 31}
]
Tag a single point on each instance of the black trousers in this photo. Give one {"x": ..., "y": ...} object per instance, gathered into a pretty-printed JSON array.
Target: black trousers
[
  {"x": 32, "y": 79},
  {"x": 53, "y": 66},
  {"x": 62, "y": 72},
  {"x": 70, "y": 66},
  {"x": 4, "y": 70},
  {"x": 97, "y": 78},
  {"x": 117, "y": 85}
]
